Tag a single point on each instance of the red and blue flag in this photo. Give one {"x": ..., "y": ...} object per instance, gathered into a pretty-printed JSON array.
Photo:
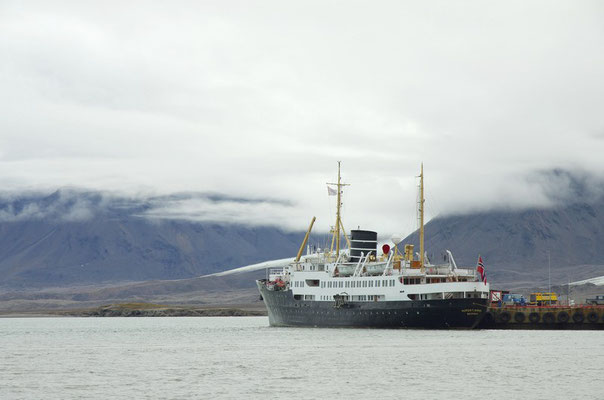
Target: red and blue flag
[{"x": 481, "y": 270}]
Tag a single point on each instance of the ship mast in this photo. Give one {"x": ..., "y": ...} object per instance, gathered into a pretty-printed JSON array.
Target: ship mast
[
  {"x": 338, "y": 212},
  {"x": 421, "y": 218},
  {"x": 339, "y": 225}
]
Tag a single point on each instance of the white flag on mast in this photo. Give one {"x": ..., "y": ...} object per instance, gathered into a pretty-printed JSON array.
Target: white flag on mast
[{"x": 331, "y": 191}]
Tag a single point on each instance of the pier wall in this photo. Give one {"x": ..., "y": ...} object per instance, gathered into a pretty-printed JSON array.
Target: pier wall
[{"x": 543, "y": 317}]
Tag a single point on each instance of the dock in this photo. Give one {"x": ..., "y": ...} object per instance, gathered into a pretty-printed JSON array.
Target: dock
[{"x": 543, "y": 317}]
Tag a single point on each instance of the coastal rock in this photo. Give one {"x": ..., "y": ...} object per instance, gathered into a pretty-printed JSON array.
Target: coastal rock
[{"x": 155, "y": 310}]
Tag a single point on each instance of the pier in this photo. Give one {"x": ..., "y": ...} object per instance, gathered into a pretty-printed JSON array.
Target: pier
[{"x": 543, "y": 317}]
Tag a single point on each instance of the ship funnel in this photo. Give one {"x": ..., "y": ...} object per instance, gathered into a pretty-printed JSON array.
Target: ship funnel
[{"x": 362, "y": 242}]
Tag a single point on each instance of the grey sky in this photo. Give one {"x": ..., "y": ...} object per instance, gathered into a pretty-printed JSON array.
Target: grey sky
[{"x": 261, "y": 98}]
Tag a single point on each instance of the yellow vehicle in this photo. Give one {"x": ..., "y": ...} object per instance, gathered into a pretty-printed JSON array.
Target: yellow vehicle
[{"x": 543, "y": 299}]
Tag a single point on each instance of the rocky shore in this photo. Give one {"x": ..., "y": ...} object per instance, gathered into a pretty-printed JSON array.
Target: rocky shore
[
  {"x": 158, "y": 310},
  {"x": 147, "y": 310}
]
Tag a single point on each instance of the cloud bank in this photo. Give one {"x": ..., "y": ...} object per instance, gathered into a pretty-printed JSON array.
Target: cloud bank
[{"x": 260, "y": 100}]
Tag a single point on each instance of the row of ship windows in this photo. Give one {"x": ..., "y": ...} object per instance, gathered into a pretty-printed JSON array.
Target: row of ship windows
[
  {"x": 423, "y": 296},
  {"x": 367, "y": 283},
  {"x": 355, "y": 298},
  {"x": 359, "y": 284},
  {"x": 364, "y": 283}
]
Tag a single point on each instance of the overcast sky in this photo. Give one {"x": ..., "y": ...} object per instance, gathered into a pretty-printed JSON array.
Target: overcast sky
[{"x": 261, "y": 98}]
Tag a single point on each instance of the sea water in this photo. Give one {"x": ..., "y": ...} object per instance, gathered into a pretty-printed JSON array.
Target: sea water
[{"x": 243, "y": 358}]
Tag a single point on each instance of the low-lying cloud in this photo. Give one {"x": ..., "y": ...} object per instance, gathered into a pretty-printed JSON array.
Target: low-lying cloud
[
  {"x": 73, "y": 205},
  {"x": 203, "y": 209},
  {"x": 64, "y": 205},
  {"x": 553, "y": 188}
]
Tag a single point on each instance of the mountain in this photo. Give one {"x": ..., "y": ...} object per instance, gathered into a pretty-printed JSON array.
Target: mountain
[
  {"x": 238, "y": 289},
  {"x": 515, "y": 244},
  {"x": 73, "y": 237}
]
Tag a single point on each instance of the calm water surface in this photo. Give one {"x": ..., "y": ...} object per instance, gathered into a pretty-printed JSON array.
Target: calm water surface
[{"x": 203, "y": 358}]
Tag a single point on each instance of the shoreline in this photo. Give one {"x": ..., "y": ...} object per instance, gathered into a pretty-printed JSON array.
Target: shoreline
[{"x": 141, "y": 310}]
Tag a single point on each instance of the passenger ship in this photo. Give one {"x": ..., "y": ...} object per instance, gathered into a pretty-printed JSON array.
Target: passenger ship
[{"x": 359, "y": 287}]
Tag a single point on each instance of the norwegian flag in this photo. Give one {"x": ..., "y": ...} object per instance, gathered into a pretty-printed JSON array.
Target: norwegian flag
[{"x": 481, "y": 271}]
